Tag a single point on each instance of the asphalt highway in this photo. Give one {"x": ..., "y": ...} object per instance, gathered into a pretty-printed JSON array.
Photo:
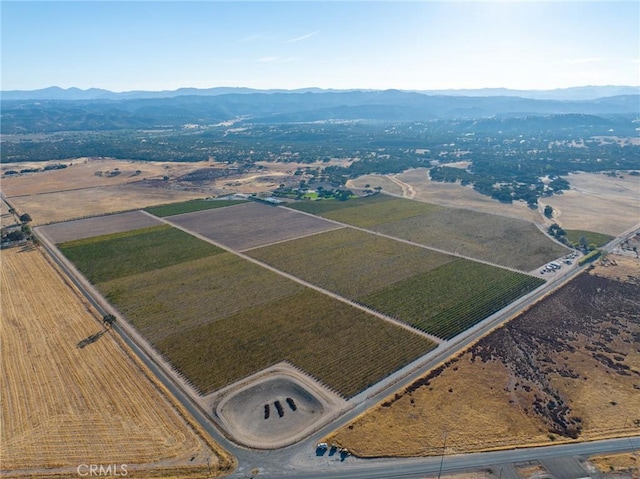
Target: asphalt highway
[{"x": 416, "y": 468}]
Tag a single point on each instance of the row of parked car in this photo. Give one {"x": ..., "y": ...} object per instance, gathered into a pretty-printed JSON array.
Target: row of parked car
[{"x": 555, "y": 265}]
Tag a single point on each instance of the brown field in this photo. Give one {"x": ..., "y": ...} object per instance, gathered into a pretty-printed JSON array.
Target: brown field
[
  {"x": 73, "y": 204},
  {"x": 66, "y": 401},
  {"x": 250, "y": 225},
  {"x": 618, "y": 463},
  {"x": 568, "y": 368},
  {"x": 597, "y": 202},
  {"x": 102, "y": 225},
  {"x": 87, "y": 173}
]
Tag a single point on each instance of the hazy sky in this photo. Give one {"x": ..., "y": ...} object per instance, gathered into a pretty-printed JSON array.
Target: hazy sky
[{"x": 162, "y": 45}]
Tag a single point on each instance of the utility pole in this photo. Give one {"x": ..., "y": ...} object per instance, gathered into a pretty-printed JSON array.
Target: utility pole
[{"x": 444, "y": 447}]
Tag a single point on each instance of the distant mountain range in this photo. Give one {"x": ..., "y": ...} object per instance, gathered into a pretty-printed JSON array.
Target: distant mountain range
[
  {"x": 85, "y": 112},
  {"x": 561, "y": 94}
]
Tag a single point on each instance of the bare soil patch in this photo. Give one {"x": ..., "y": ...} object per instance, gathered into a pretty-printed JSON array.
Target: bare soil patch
[
  {"x": 566, "y": 369},
  {"x": 251, "y": 225},
  {"x": 96, "y": 226},
  {"x": 63, "y": 394},
  {"x": 275, "y": 407}
]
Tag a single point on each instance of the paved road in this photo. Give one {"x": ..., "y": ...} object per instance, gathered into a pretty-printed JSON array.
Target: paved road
[{"x": 414, "y": 468}]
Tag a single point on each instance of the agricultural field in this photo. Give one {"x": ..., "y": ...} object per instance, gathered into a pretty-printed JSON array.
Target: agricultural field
[
  {"x": 102, "y": 258},
  {"x": 76, "y": 406},
  {"x": 251, "y": 225},
  {"x": 203, "y": 309},
  {"x": 343, "y": 347},
  {"x": 67, "y": 205},
  {"x": 89, "y": 227},
  {"x": 505, "y": 241},
  {"x": 88, "y": 173},
  {"x": 436, "y": 293},
  {"x": 451, "y": 298},
  {"x": 566, "y": 369},
  {"x": 90, "y": 187},
  {"x": 190, "y": 206},
  {"x": 350, "y": 262}
]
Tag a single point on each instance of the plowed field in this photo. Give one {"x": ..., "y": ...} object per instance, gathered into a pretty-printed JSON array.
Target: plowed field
[{"x": 70, "y": 395}]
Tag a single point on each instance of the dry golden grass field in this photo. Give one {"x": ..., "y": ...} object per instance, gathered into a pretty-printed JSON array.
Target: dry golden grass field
[
  {"x": 597, "y": 202},
  {"x": 567, "y": 368},
  {"x": 88, "y": 173},
  {"x": 618, "y": 463},
  {"x": 86, "y": 189},
  {"x": 66, "y": 401},
  {"x": 73, "y": 204}
]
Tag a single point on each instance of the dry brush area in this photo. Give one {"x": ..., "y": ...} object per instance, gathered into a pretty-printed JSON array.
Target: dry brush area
[{"x": 72, "y": 395}]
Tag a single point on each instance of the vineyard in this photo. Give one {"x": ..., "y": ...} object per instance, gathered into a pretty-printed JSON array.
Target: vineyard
[
  {"x": 498, "y": 239},
  {"x": 345, "y": 348},
  {"x": 219, "y": 318},
  {"x": 164, "y": 302},
  {"x": 431, "y": 291},
  {"x": 451, "y": 298},
  {"x": 251, "y": 225},
  {"x": 106, "y": 257},
  {"x": 97, "y": 226},
  {"x": 350, "y": 262},
  {"x": 190, "y": 207},
  {"x": 368, "y": 211},
  {"x": 324, "y": 207}
]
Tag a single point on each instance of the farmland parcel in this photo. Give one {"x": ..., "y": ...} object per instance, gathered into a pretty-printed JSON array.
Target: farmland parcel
[
  {"x": 67, "y": 385},
  {"x": 219, "y": 318},
  {"x": 434, "y": 292},
  {"x": 497, "y": 239}
]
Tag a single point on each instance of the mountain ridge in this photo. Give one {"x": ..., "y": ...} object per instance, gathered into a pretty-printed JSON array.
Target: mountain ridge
[{"x": 588, "y": 92}]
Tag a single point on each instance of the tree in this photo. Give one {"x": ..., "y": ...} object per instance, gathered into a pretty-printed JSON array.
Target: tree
[
  {"x": 16, "y": 235},
  {"x": 25, "y": 218},
  {"x": 548, "y": 211},
  {"x": 584, "y": 243},
  {"x": 108, "y": 320}
]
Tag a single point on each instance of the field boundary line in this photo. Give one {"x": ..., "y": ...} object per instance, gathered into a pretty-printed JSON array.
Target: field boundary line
[
  {"x": 412, "y": 243},
  {"x": 190, "y": 212},
  {"x": 326, "y": 292},
  {"x": 338, "y": 227}
]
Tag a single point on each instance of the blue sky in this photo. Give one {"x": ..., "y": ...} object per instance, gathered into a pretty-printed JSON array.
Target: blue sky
[{"x": 163, "y": 45}]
